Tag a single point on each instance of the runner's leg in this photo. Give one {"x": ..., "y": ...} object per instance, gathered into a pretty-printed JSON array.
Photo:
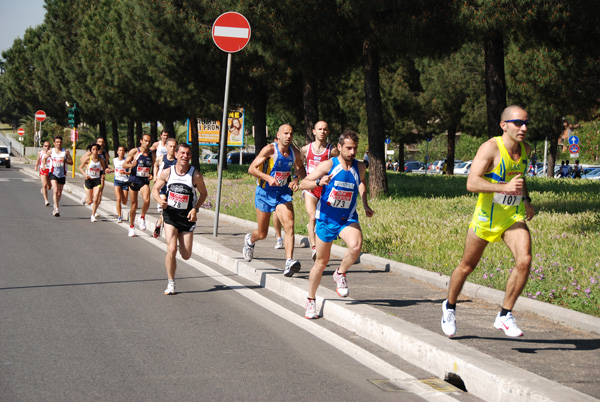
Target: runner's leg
[
  {"x": 285, "y": 212},
  {"x": 352, "y": 236},
  {"x": 518, "y": 240},
  {"x": 474, "y": 247}
]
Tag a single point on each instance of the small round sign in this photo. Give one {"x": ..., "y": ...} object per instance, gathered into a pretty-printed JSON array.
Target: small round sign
[
  {"x": 40, "y": 115},
  {"x": 574, "y": 149},
  {"x": 21, "y": 131},
  {"x": 231, "y": 32}
]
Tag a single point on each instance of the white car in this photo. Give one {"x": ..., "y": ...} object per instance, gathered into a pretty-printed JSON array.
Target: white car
[
  {"x": 463, "y": 168},
  {"x": 4, "y": 156},
  {"x": 211, "y": 159}
]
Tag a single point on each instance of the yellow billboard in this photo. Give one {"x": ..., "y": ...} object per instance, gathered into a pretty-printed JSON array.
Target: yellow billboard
[{"x": 209, "y": 131}]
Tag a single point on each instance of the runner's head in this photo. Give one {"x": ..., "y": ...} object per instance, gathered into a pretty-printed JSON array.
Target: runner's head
[
  {"x": 183, "y": 154},
  {"x": 347, "y": 145},
  {"x": 164, "y": 135},
  {"x": 321, "y": 130},
  {"x": 171, "y": 145},
  {"x": 100, "y": 141},
  {"x": 121, "y": 151},
  {"x": 285, "y": 134},
  {"x": 145, "y": 141},
  {"x": 515, "y": 122},
  {"x": 58, "y": 141},
  {"x": 95, "y": 149}
]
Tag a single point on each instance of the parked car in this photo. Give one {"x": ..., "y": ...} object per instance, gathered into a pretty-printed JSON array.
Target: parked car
[
  {"x": 437, "y": 166},
  {"x": 463, "y": 168},
  {"x": 211, "y": 159},
  {"x": 593, "y": 174},
  {"x": 413, "y": 165},
  {"x": 234, "y": 158},
  {"x": 4, "y": 156}
]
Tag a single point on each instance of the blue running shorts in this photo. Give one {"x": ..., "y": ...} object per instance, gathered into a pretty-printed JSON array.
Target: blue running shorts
[{"x": 267, "y": 200}]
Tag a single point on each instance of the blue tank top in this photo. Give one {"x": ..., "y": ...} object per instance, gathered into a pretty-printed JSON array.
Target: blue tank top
[
  {"x": 279, "y": 167},
  {"x": 141, "y": 172},
  {"x": 338, "y": 200}
]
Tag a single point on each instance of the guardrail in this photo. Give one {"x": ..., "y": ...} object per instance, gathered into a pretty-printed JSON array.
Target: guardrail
[{"x": 13, "y": 144}]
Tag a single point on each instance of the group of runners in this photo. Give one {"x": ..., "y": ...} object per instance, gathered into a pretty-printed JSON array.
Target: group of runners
[{"x": 332, "y": 182}]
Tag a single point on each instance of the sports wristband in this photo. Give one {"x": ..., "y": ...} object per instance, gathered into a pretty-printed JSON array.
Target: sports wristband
[{"x": 527, "y": 198}]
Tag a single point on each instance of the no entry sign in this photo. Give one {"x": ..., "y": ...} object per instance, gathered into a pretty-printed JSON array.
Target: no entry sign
[
  {"x": 40, "y": 115},
  {"x": 21, "y": 131},
  {"x": 231, "y": 32}
]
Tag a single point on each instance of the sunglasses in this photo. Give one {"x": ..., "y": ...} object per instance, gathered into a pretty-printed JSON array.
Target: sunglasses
[{"x": 518, "y": 122}]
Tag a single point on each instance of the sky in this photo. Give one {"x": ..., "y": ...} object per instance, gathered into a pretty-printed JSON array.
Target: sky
[{"x": 17, "y": 16}]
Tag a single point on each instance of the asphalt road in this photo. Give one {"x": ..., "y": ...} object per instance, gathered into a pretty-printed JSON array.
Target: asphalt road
[{"x": 83, "y": 317}]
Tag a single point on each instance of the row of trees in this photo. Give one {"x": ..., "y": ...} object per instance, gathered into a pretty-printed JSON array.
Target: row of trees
[{"x": 405, "y": 69}]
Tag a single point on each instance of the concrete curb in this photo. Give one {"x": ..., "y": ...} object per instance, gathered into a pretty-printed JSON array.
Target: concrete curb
[{"x": 484, "y": 376}]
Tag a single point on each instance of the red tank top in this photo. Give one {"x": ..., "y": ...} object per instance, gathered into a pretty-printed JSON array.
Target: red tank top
[{"x": 313, "y": 159}]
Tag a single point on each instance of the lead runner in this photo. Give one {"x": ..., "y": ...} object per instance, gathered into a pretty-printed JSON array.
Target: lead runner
[{"x": 343, "y": 180}]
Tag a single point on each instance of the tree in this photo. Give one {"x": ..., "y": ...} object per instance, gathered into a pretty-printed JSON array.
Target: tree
[{"x": 452, "y": 94}]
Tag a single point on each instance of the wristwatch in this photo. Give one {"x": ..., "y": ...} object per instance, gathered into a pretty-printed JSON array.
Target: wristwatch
[
  {"x": 527, "y": 198},
  {"x": 318, "y": 181}
]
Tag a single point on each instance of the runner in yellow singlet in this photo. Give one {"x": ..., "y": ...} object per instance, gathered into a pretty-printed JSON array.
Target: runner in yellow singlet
[{"x": 500, "y": 214}]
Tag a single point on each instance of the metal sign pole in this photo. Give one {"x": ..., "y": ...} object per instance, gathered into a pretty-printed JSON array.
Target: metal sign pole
[{"x": 222, "y": 143}]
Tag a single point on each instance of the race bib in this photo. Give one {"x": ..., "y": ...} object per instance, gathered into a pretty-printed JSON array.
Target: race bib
[
  {"x": 120, "y": 174},
  {"x": 340, "y": 199},
  {"x": 281, "y": 178},
  {"x": 58, "y": 162},
  {"x": 94, "y": 173},
  {"x": 178, "y": 201},
  {"x": 311, "y": 165},
  {"x": 143, "y": 171},
  {"x": 510, "y": 199}
]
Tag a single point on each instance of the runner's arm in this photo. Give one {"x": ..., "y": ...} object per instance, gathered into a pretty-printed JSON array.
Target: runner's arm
[
  {"x": 198, "y": 181},
  {"x": 129, "y": 161},
  {"x": 158, "y": 184},
  {"x": 320, "y": 172},
  {"x": 486, "y": 158},
  {"x": 84, "y": 159},
  {"x": 262, "y": 157}
]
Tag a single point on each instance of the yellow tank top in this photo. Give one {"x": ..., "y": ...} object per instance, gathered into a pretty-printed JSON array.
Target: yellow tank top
[{"x": 496, "y": 212}]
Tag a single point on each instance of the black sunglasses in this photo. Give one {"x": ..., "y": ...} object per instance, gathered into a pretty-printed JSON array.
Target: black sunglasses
[{"x": 518, "y": 122}]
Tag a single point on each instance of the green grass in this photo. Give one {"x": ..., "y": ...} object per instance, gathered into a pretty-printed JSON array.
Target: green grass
[{"x": 423, "y": 222}]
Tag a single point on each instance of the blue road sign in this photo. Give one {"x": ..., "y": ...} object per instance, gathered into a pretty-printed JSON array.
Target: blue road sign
[
  {"x": 388, "y": 140},
  {"x": 573, "y": 140},
  {"x": 574, "y": 149}
]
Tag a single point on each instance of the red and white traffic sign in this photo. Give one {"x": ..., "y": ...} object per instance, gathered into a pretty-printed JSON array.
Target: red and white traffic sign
[
  {"x": 21, "y": 131},
  {"x": 40, "y": 115},
  {"x": 74, "y": 135},
  {"x": 231, "y": 32},
  {"x": 574, "y": 148}
]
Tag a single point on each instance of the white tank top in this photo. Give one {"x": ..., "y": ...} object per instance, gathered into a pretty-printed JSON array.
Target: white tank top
[
  {"x": 120, "y": 172},
  {"x": 94, "y": 169},
  {"x": 58, "y": 162}
]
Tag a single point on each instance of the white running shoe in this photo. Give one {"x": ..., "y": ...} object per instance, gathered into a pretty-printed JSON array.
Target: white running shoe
[
  {"x": 279, "y": 243},
  {"x": 131, "y": 232},
  {"x": 97, "y": 215},
  {"x": 314, "y": 253},
  {"x": 291, "y": 266},
  {"x": 311, "y": 310},
  {"x": 55, "y": 212},
  {"x": 508, "y": 325},
  {"x": 93, "y": 218},
  {"x": 83, "y": 200},
  {"x": 341, "y": 284},
  {"x": 448, "y": 320},
  {"x": 158, "y": 209},
  {"x": 170, "y": 290},
  {"x": 142, "y": 223},
  {"x": 248, "y": 250},
  {"x": 119, "y": 219},
  {"x": 46, "y": 203}
]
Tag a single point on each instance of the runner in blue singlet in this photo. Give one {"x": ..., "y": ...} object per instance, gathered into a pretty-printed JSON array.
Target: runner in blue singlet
[{"x": 343, "y": 180}]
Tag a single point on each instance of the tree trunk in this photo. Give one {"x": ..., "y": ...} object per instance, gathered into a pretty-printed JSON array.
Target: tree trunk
[
  {"x": 260, "y": 117},
  {"x": 102, "y": 132},
  {"x": 115, "y": 136},
  {"x": 495, "y": 82},
  {"x": 153, "y": 132},
  {"x": 194, "y": 144},
  {"x": 377, "y": 174},
  {"x": 311, "y": 105},
  {"x": 554, "y": 137},
  {"x": 401, "y": 155},
  {"x": 130, "y": 134},
  {"x": 170, "y": 127},
  {"x": 138, "y": 132},
  {"x": 451, "y": 150}
]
